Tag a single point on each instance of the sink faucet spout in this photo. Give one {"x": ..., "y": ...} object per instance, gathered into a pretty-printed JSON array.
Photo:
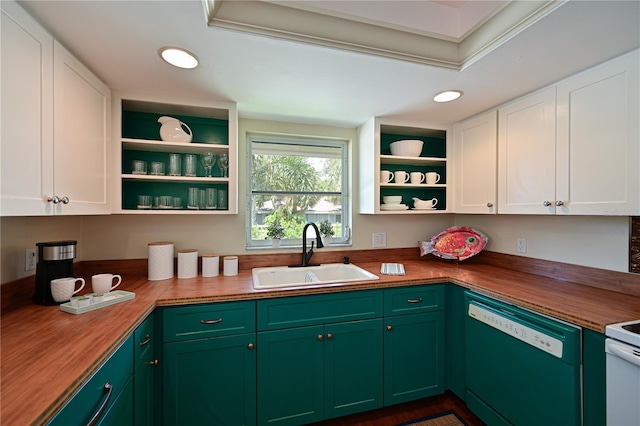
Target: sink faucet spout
[{"x": 306, "y": 255}]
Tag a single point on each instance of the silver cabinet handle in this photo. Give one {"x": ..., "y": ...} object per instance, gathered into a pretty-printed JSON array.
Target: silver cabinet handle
[
  {"x": 414, "y": 300},
  {"x": 559, "y": 203},
  {"x": 145, "y": 341},
  {"x": 57, "y": 200},
  {"x": 108, "y": 388},
  {"x": 154, "y": 362},
  {"x": 489, "y": 205},
  {"x": 209, "y": 322},
  {"x": 546, "y": 203}
]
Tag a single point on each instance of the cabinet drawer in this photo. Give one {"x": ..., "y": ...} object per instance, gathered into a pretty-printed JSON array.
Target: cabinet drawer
[
  {"x": 413, "y": 300},
  {"x": 318, "y": 309},
  {"x": 210, "y": 320},
  {"x": 116, "y": 371}
]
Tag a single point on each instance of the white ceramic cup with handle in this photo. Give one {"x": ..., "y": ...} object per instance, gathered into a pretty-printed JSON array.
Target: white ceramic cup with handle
[
  {"x": 62, "y": 289},
  {"x": 386, "y": 176},
  {"x": 103, "y": 283},
  {"x": 417, "y": 178},
  {"x": 432, "y": 178},
  {"x": 402, "y": 177}
]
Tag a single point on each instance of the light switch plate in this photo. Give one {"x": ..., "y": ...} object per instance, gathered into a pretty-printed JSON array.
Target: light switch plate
[{"x": 379, "y": 239}]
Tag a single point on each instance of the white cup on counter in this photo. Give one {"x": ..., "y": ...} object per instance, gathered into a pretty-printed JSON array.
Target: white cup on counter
[
  {"x": 103, "y": 283},
  {"x": 62, "y": 289}
]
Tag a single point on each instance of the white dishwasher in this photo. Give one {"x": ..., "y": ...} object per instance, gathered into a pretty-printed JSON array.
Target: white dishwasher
[{"x": 623, "y": 374}]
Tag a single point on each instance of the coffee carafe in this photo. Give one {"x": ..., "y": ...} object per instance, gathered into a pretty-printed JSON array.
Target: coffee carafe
[{"x": 55, "y": 260}]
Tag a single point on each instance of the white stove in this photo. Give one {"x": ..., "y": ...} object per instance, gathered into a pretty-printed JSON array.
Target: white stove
[{"x": 623, "y": 373}]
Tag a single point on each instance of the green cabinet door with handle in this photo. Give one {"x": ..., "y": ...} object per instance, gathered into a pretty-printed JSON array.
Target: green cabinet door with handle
[
  {"x": 210, "y": 381},
  {"x": 309, "y": 374},
  {"x": 209, "y": 364},
  {"x": 144, "y": 372}
]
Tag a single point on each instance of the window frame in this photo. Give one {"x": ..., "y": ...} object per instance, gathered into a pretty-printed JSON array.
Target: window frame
[{"x": 303, "y": 142}]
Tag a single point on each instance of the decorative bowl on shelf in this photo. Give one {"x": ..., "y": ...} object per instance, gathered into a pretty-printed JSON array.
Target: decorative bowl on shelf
[
  {"x": 392, "y": 199},
  {"x": 407, "y": 148}
]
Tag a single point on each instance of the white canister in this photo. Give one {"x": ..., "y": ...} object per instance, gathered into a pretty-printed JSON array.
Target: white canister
[
  {"x": 187, "y": 263},
  {"x": 210, "y": 265},
  {"x": 230, "y": 266},
  {"x": 160, "y": 261}
]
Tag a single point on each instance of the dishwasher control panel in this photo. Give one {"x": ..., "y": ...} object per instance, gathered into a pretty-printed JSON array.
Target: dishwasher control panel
[{"x": 517, "y": 330}]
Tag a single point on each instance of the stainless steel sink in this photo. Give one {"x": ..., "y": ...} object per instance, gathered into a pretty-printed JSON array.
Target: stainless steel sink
[{"x": 283, "y": 276}]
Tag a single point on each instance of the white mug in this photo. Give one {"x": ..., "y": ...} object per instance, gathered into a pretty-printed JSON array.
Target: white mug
[
  {"x": 417, "y": 178},
  {"x": 103, "y": 283},
  {"x": 386, "y": 176},
  {"x": 432, "y": 178},
  {"x": 62, "y": 289},
  {"x": 402, "y": 177}
]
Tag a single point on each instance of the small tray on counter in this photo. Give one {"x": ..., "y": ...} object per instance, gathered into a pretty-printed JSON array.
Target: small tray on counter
[
  {"x": 110, "y": 298},
  {"x": 392, "y": 269}
]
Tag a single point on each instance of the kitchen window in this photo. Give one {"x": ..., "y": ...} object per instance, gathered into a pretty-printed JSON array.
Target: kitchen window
[{"x": 295, "y": 180}]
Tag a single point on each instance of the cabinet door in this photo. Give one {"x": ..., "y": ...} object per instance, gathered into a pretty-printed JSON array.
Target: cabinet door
[
  {"x": 475, "y": 154},
  {"x": 210, "y": 381},
  {"x": 353, "y": 367},
  {"x": 599, "y": 140},
  {"x": 27, "y": 114},
  {"x": 145, "y": 366},
  {"x": 413, "y": 357},
  {"x": 290, "y": 376},
  {"x": 526, "y": 154},
  {"x": 82, "y": 105}
]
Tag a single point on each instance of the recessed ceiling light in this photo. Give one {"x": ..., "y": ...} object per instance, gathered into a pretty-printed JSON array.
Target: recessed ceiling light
[
  {"x": 447, "y": 95},
  {"x": 178, "y": 57}
]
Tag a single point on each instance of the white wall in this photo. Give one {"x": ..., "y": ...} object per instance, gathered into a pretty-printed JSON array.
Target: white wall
[{"x": 591, "y": 241}]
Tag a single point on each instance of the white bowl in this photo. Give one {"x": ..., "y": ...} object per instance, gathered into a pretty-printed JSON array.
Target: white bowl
[
  {"x": 392, "y": 199},
  {"x": 407, "y": 148}
]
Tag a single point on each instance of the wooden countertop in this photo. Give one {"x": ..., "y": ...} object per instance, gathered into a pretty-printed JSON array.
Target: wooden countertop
[{"x": 47, "y": 354}]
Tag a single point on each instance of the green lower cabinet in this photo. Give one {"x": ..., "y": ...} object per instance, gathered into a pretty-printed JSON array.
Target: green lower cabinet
[
  {"x": 594, "y": 381},
  {"x": 106, "y": 397},
  {"x": 413, "y": 357},
  {"x": 210, "y": 381},
  {"x": 145, "y": 371},
  {"x": 309, "y": 374},
  {"x": 121, "y": 412}
]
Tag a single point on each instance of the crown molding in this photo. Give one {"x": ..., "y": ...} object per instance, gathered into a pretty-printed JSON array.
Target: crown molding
[{"x": 277, "y": 20}]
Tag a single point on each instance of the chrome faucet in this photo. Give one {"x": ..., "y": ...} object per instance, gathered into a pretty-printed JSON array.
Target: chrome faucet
[{"x": 306, "y": 255}]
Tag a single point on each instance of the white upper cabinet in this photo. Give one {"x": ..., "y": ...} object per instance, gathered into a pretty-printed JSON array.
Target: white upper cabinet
[
  {"x": 574, "y": 148},
  {"x": 475, "y": 153},
  {"x": 526, "y": 154},
  {"x": 598, "y": 140},
  {"x": 52, "y": 163},
  {"x": 27, "y": 114},
  {"x": 82, "y": 134}
]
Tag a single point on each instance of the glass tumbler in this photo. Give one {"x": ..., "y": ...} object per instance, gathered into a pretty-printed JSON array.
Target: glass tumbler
[
  {"x": 190, "y": 165},
  {"x": 222, "y": 199},
  {"x": 192, "y": 201},
  {"x": 174, "y": 165},
  {"x": 212, "y": 198}
]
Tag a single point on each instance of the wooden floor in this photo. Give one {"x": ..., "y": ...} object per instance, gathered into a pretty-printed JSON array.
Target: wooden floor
[{"x": 400, "y": 413}]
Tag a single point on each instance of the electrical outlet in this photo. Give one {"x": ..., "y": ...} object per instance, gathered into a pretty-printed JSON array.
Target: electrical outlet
[
  {"x": 30, "y": 259},
  {"x": 521, "y": 245},
  {"x": 379, "y": 239}
]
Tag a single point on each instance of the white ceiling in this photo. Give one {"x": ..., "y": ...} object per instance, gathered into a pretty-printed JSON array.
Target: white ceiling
[{"x": 276, "y": 79}]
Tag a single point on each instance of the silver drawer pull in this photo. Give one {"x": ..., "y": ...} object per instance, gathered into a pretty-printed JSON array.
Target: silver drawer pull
[
  {"x": 108, "y": 388},
  {"x": 209, "y": 322},
  {"x": 414, "y": 300},
  {"x": 145, "y": 341}
]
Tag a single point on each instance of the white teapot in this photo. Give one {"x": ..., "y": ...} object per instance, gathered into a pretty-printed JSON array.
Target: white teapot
[
  {"x": 174, "y": 130},
  {"x": 424, "y": 204}
]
